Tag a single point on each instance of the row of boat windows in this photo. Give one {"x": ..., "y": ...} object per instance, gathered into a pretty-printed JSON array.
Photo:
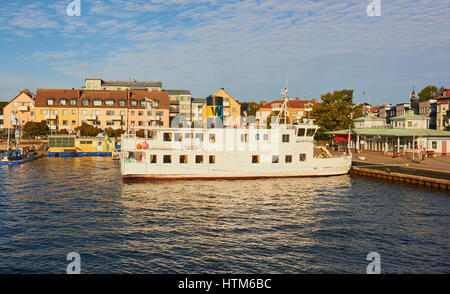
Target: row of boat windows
[
  {"x": 212, "y": 158},
  {"x": 178, "y": 137}
]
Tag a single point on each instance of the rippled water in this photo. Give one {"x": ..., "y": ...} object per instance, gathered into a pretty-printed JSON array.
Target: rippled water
[{"x": 53, "y": 206}]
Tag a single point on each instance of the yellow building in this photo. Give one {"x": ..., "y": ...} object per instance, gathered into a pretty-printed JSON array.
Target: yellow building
[
  {"x": 231, "y": 111},
  {"x": 71, "y": 146},
  {"x": 296, "y": 109}
]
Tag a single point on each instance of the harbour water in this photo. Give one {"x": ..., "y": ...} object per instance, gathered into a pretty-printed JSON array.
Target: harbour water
[{"x": 53, "y": 206}]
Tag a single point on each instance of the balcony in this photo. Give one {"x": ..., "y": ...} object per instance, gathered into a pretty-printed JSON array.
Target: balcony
[
  {"x": 50, "y": 116},
  {"x": 90, "y": 117},
  {"x": 22, "y": 108}
]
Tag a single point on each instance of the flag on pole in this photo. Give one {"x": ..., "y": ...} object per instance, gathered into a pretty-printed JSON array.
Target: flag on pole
[{"x": 108, "y": 141}]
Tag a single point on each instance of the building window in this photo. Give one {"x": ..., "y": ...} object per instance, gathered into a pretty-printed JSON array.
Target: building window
[
  {"x": 140, "y": 123},
  {"x": 110, "y": 112},
  {"x": 109, "y": 102},
  {"x": 275, "y": 158},
  {"x": 62, "y": 102},
  {"x": 73, "y": 102},
  {"x": 177, "y": 137},
  {"x": 122, "y": 112},
  {"x": 74, "y": 122},
  {"x": 434, "y": 145},
  {"x": 140, "y": 113},
  {"x": 56, "y": 112},
  {"x": 167, "y": 137},
  {"x": 143, "y": 104},
  {"x": 199, "y": 136},
  {"x": 133, "y": 103},
  {"x": 85, "y": 102},
  {"x": 212, "y": 159},
  {"x": 83, "y": 112},
  {"x": 65, "y": 112},
  {"x": 409, "y": 124},
  {"x": 183, "y": 159},
  {"x": 167, "y": 159},
  {"x": 257, "y": 137},
  {"x": 132, "y": 112},
  {"x": 288, "y": 159},
  {"x": 255, "y": 158},
  {"x": 50, "y": 101},
  {"x": 109, "y": 123},
  {"x": 74, "y": 112},
  {"x": 198, "y": 158},
  {"x": 97, "y": 112},
  {"x": 153, "y": 158},
  {"x": 302, "y": 156},
  {"x": 121, "y": 102},
  {"x": 44, "y": 111},
  {"x": 212, "y": 138},
  {"x": 97, "y": 102},
  {"x": 65, "y": 123},
  {"x": 285, "y": 138}
]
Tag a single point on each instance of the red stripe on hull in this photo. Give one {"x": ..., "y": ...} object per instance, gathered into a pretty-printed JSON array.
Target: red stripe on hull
[{"x": 149, "y": 178}]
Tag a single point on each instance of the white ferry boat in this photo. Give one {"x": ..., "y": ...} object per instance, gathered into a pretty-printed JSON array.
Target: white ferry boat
[{"x": 229, "y": 153}]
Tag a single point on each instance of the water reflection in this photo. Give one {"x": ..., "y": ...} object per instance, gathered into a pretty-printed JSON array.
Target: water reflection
[{"x": 53, "y": 206}]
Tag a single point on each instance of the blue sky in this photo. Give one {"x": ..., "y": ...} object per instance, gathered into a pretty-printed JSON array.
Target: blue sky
[{"x": 247, "y": 47}]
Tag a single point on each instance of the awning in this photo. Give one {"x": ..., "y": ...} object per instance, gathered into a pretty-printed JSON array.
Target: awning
[{"x": 343, "y": 138}]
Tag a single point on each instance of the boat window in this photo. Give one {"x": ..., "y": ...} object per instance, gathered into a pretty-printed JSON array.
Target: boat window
[
  {"x": 212, "y": 159},
  {"x": 167, "y": 137},
  {"x": 153, "y": 158},
  {"x": 266, "y": 137},
  {"x": 301, "y": 132},
  {"x": 244, "y": 137},
  {"x": 257, "y": 137},
  {"x": 199, "y": 136},
  {"x": 288, "y": 159},
  {"x": 310, "y": 132},
  {"x": 183, "y": 159},
  {"x": 167, "y": 159},
  {"x": 189, "y": 135},
  {"x": 255, "y": 158},
  {"x": 285, "y": 138},
  {"x": 178, "y": 137},
  {"x": 302, "y": 156},
  {"x": 198, "y": 158},
  {"x": 212, "y": 138},
  {"x": 275, "y": 158}
]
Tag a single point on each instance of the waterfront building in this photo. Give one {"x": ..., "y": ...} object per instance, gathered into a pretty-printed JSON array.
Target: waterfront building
[
  {"x": 197, "y": 111},
  {"x": 428, "y": 108},
  {"x": 231, "y": 110},
  {"x": 116, "y": 109},
  {"x": 369, "y": 120},
  {"x": 442, "y": 109},
  {"x": 180, "y": 107},
  {"x": 71, "y": 146},
  {"x": 110, "y": 85},
  {"x": 296, "y": 109},
  {"x": 21, "y": 107},
  {"x": 408, "y": 133}
]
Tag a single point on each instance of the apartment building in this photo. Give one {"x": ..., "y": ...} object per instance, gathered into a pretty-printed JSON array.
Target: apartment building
[
  {"x": 296, "y": 109},
  {"x": 231, "y": 110},
  {"x": 197, "y": 111},
  {"x": 117, "y": 85},
  {"x": 21, "y": 108},
  {"x": 428, "y": 108},
  {"x": 117, "y": 109},
  {"x": 443, "y": 110},
  {"x": 180, "y": 106}
]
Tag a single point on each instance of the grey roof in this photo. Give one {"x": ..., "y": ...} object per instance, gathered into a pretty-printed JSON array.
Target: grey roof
[
  {"x": 178, "y": 92},
  {"x": 132, "y": 83},
  {"x": 198, "y": 100}
]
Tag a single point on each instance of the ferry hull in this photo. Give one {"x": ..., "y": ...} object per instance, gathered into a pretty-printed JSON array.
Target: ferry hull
[{"x": 324, "y": 167}]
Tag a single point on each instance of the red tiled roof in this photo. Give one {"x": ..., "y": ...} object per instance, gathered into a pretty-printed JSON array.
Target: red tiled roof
[
  {"x": 90, "y": 95},
  {"x": 290, "y": 103}
]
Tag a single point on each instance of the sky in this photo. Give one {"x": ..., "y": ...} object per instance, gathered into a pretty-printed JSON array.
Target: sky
[{"x": 252, "y": 48}]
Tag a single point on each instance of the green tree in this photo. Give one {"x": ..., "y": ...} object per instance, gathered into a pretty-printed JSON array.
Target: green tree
[
  {"x": 2, "y": 105},
  {"x": 87, "y": 130},
  {"x": 253, "y": 108},
  {"x": 428, "y": 92},
  {"x": 335, "y": 111},
  {"x": 35, "y": 129}
]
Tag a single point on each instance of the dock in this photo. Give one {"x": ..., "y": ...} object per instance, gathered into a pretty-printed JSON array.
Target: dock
[{"x": 433, "y": 172}]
